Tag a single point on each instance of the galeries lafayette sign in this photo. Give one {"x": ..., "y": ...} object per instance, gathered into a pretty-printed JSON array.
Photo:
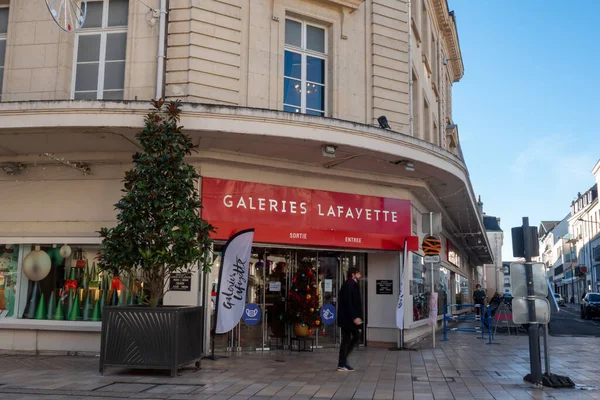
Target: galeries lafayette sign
[{"x": 287, "y": 215}]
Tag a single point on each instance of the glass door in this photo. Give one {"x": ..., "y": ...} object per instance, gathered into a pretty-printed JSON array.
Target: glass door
[
  {"x": 277, "y": 283},
  {"x": 328, "y": 278},
  {"x": 250, "y": 336},
  {"x": 355, "y": 260}
]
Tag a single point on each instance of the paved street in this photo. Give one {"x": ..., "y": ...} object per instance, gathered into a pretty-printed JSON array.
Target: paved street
[
  {"x": 463, "y": 368},
  {"x": 569, "y": 323}
]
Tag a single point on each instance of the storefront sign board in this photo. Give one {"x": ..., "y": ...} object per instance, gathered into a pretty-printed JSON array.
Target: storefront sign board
[
  {"x": 305, "y": 217},
  {"x": 180, "y": 282},
  {"x": 328, "y": 314},
  {"x": 433, "y": 308},
  {"x": 384, "y": 286},
  {"x": 252, "y": 314}
]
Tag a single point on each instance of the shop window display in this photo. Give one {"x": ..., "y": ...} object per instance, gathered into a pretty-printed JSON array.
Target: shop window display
[
  {"x": 462, "y": 290},
  {"x": 9, "y": 261},
  {"x": 63, "y": 282},
  {"x": 421, "y": 287},
  {"x": 441, "y": 288}
]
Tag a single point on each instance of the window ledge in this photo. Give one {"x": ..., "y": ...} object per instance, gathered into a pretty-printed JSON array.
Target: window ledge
[
  {"x": 415, "y": 28},
  {"x": 435, "y": 90},
  {"x": 47, "y": 325},
  {"x": 426, "y": 63},
  {"x": 353, "y": 4},
  {"x": 420, "y": 323}
]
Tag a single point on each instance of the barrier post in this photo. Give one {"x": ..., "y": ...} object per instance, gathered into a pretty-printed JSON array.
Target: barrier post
[
  {"x": 482, "y": 319},
  {"x": 445, "y": 332}
]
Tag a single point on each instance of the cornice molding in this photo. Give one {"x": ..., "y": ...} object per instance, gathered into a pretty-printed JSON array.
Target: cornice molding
[{"x": 450, "y": 34}]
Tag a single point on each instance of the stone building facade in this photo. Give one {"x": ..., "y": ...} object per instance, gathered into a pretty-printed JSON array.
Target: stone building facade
[{"x": 279, "y": 95}]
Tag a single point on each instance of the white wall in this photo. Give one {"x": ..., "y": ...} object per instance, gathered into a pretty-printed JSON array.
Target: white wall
[{"x": 382, "y": 307}]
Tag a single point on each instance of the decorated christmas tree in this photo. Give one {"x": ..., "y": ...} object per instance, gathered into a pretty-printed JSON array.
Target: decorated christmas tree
[{"x": 303, "y": 301}]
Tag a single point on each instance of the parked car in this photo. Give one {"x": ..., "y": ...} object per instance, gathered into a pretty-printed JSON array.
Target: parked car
[
  {"x": 590, "y": 306},
  {"x": 559, "y": 299}
]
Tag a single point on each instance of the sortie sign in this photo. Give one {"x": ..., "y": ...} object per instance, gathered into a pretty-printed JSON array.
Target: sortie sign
[{"x": 288, "y": 215}]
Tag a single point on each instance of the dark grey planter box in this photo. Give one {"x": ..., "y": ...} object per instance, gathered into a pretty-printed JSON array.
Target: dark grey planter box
[{"x": 153, "y": 338}]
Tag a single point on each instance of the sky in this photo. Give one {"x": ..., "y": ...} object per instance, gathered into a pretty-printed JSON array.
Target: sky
[{"x": 527, "y": 107}]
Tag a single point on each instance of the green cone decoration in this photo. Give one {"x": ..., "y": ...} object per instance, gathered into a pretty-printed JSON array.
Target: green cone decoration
[
  {"x": 10, "y": 303},
  {"x": 71, "y": 301},
  {"x": 51, "y": 306},
  {"x": 102, "y": 301},
  {"x": 40, "y": 312},
  {"x": 123, "y": 298},
  {"x": 33, "y": 301},
  {"x": 97, "y": 312},
  {"x": 114, "y": 300},
  {"x": 86, "y": 307},
  {"x": 86, "y": 280},
  {"x": 73, "y": 273},
  {"x": 75, "y": 312},
  {"x": 130, "y": 299},
  {"x": 55, "y": 257},
  {"x": 59, "y": 314}
]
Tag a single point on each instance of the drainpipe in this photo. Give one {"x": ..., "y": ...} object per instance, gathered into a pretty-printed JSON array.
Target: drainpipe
[
  {"x": 410, "y": 80},
  {"x": 162, "y": 34},
  {"x": 441, "y": 127}
]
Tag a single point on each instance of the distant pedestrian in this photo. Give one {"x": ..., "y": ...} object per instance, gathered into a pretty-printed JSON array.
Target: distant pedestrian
[
  {"x": 349, "y": 317},
  {"x": 479, "y": 298}
]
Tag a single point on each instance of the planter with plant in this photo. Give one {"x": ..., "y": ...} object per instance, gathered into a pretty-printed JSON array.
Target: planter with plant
[{"x": 159, "y": 233}]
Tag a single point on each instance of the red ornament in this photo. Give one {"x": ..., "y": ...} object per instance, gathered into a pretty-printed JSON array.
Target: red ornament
[
  {"x": 117, "y": 283},
  {"x": 71, "y": 284}
]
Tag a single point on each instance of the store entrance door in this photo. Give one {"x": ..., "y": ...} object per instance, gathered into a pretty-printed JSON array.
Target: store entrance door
[{"x": 270, "y": 278}]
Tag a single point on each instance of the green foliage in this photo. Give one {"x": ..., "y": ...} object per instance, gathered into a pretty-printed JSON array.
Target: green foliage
[{"x": 159, "y": 230}]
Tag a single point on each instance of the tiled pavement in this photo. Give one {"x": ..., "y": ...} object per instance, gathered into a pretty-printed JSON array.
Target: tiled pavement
[{"x": 463, "y": 368}]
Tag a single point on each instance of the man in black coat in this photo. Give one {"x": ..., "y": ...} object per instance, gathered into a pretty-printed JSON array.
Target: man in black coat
[{"x": 349, "y": 317}]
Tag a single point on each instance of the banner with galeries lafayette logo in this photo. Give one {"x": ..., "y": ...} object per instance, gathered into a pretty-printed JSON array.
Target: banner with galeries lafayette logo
[
  {"x": 233, "y": 280},
  {"x": 297, "y": 216}
]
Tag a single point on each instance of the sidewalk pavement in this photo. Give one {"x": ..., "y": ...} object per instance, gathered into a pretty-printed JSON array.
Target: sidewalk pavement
[{"x": 463, "y": 368}]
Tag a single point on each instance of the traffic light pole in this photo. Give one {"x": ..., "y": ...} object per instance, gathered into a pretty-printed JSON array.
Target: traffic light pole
[{"x": 534, "y": 332}]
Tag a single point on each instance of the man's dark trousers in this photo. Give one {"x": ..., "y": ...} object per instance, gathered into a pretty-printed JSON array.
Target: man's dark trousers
[{"x": 350, "y": 339}]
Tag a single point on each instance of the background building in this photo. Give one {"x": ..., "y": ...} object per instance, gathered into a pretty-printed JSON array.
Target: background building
[
  {"x": 554, "y": 250},
  {"x": 571, "y": 248},
  {"x": 494, "y": 273},
  {"x": 281, "y": 96}
]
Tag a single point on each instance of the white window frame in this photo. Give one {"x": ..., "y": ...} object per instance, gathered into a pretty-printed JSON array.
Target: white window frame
[
  {"x": 304, "y": 53},
  {"x": 3, "y": 38},
  {"x": 103, "y": 31}
]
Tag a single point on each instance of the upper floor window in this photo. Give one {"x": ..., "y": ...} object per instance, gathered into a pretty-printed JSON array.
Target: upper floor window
[
  {"x": 305, "y": 68},
  {"x": 99, "y": 71},
  {"x": 3, "y": 30}
]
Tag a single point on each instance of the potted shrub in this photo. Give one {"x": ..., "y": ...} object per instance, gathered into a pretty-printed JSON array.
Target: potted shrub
[{"x": 159, "y": 233}]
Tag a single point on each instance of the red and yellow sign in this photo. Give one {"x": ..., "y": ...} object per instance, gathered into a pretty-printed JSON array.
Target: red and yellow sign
[{"x": 432, "y": 245}]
